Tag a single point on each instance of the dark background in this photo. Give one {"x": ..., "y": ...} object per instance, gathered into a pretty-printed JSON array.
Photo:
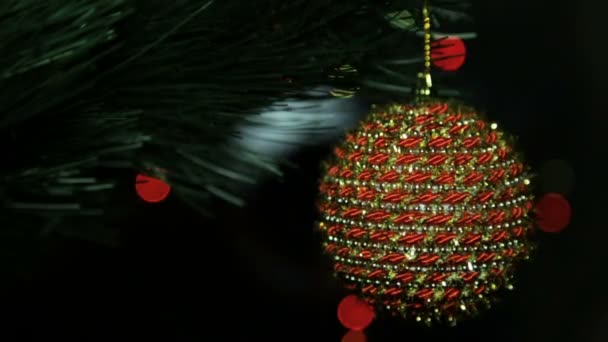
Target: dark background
[{"x": 257, "y": 273}]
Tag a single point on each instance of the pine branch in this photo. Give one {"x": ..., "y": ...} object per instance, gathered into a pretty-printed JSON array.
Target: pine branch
[{"x": 92, "y": 86}]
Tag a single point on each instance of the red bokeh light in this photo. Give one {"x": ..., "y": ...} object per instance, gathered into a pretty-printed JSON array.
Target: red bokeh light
[
  {"x": 354, "y": 336},
  {"x": 151, "y": 189},
  {"x": 553, "y": 213},
  {"x": 354, "y": 313},
  {"x": 449, "y": 53}
]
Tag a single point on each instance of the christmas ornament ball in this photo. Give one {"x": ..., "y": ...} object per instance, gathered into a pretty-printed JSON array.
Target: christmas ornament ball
[{"x": 424, "y": 211}]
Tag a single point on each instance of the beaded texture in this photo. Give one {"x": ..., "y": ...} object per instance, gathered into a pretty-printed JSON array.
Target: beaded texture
[{"x": 424, "y": 211}]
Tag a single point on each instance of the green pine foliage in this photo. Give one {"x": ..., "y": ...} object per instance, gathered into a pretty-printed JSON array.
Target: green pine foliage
[{"x": 94, "y": 91}]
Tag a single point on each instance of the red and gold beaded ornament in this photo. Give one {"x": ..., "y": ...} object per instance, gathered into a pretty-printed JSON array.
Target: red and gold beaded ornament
[{"x": 424, "y": 208}]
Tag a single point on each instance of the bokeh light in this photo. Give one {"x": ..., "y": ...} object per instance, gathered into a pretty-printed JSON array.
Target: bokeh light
[
  {"x": 354, "y": 313},
  {"x": 448, "y": 53},
  {"x": 553, "y": 213},
  {"x": 151, "y": 190},
  {"x": 354, "y": 336}
]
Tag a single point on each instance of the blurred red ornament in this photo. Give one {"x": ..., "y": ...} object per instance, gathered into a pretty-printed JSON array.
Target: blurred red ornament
[
  {"x": 354, "y": 313},
  {"x": 151, "y": 189},
  {"x": 553, "y": 213},
  {"x": 449, "y": 53},
  {"x": 354, "y": 336}
]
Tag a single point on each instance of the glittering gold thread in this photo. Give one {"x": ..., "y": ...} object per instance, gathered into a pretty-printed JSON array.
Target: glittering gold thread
[{"x": 426, "y": 82}]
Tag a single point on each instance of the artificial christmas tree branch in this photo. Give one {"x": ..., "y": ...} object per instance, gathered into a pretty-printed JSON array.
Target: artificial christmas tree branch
[{"x": 95, "y": 90}]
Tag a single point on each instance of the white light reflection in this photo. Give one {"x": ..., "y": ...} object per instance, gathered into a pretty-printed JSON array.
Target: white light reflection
[{"x": 284, "y": 127}]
